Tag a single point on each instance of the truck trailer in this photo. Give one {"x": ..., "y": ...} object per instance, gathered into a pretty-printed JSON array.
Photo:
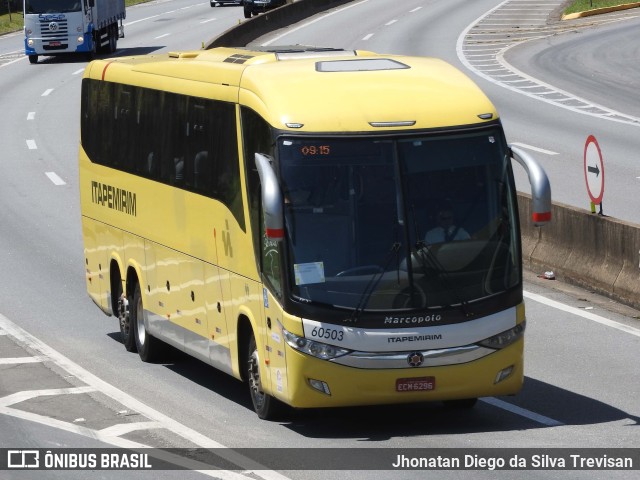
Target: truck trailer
[{"x": 58, "y": 27}]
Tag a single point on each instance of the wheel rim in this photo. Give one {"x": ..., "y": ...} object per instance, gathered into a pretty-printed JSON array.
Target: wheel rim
[
  {"x": 142, "y": 333},
  {"x": 254, "y": 379}
]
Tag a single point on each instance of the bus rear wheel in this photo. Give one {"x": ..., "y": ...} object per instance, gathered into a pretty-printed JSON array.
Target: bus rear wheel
[
  {"x": 149, "y": 347},
  {"x": 124, "y": 318},
  {"x": 266, "y": 406}
]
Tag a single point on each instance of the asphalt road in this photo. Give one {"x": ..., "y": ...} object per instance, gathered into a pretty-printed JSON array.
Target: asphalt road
[{"x": 582, "y": 352}]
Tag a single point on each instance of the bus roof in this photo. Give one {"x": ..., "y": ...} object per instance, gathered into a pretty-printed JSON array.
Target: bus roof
[{"x": 315, "y": 90}]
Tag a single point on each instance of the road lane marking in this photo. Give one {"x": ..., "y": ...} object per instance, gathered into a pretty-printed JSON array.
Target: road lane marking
[
  {"x": 55, "y": 178},
  {"x": 31, "y": 145},
  {"x": 78, "y": 72},
  {"x": 535, "y": 149},
  {"x": 124, "y": 428},
  {"x": 523, "y": 412},
  {"x": 31, "y": 394},
  {"x": 47, "y": 92},
  {"x": 162, "y": 36},
  {"x": 31, "y": 115},
  {"x": 97, "y": 384},
  {"x": 367, "y": 37},
  {"x": 19, "y": 360},
  {"x": 390, "y": 23},
  {"x": 581, "y": 313}
]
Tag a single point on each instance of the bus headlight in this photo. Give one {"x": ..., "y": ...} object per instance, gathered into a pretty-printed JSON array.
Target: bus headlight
[
  {"x": 315, "y": 349},
  {"x": 80, "y": 40},
  {"x": 505, "y": 338},
  {"x": 30, "y": 42}
]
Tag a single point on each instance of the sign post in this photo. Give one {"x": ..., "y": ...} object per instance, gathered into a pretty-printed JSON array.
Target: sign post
[{"x": 594, "y": 172}]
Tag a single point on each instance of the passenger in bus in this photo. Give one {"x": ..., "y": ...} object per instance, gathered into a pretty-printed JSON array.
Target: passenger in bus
[{"x": 446, "y": 230}]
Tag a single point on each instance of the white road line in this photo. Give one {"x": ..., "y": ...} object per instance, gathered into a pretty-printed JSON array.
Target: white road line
[
  {"x": 415, "y": 9},
  {"x": 30, "y": 394},
  {"x": 523, "y": 412},
  {"x": 31, "y": 145},
  {"x": 300, "y": 27},
  {"x": 78, "y": 72},
  {"x": 129, "y": 402},
  {"x": 19, "y": 360},
  {"x": 581, "y": 313},
  {"x": 367, "y": 37},
  {"x": 47, "y": 92},
  {"x": 31, "y": 115},
  {"x": 124, "y": 428},
  {"x": 390, "y": 23},
  {"x": 55, "y": 178},
  {"x": 207, "y": 21},
  {"x": 162, "y": 36},
  {"x": 535, "y": 149}
]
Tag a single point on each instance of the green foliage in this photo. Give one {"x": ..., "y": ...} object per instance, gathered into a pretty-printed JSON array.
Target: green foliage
[{"x": 583, "y": 5}]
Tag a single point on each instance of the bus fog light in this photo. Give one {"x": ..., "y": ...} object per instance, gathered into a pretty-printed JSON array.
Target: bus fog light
[
  {"x": 320, "y": 386},
  {"x": 30, "y": 42},
  {"x": 80, "y": 40},
  {"x": 504, "y": 373}
]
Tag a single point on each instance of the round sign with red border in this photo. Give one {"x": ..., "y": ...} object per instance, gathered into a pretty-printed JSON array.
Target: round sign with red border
[{"x": 594, "y": 170}]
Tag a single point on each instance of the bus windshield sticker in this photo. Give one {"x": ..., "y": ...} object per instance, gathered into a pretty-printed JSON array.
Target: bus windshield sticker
[{"x": 307, "y": 273}]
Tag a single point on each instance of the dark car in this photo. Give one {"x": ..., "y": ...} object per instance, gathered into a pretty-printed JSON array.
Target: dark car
[
  {"x": 254, "y": 7},
  {"x": 215, "y": 3}
]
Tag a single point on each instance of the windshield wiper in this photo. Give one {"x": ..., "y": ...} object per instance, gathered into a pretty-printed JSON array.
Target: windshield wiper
[{"x": 373, "y": 283}]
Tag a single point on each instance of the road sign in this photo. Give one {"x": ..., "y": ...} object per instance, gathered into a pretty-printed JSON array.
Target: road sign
[{"x": 594, "y": 170}]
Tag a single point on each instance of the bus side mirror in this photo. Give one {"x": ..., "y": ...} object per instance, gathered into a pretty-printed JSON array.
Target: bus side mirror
[
  {"x": 271, "y": 198},
  {"x": 540, "y": 187}
]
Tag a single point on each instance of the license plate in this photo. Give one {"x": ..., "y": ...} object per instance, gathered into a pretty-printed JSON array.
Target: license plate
[
  {"x": 54, "y": 44},
  {"x": 420, "y": 384}
]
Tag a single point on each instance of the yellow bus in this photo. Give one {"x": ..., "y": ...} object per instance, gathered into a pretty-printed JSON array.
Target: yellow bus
[{"x": 275, "y": 212}]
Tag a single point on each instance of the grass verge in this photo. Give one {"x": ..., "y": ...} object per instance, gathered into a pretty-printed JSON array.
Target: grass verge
[{"x": 584, "y": 5}]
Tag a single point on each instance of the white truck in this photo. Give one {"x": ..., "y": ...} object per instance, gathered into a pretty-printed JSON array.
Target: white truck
[{"x": 56, "y": 27}]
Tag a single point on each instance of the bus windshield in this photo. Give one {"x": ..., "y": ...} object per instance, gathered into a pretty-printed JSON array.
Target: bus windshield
[
  {"x": 52, "y": 6},
  {"x": 399, "y": 223}
]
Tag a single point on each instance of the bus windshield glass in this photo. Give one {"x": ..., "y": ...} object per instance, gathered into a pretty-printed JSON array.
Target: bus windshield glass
[
  {"x": 399, "y": 223},
  {"x": 52, "y": 6}
]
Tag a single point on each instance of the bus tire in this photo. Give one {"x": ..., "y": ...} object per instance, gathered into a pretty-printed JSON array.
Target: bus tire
[
  {"x": 149, "y": 347},
  {"x": 266, "y": 406},
  {"x": 124, "y": 319}
]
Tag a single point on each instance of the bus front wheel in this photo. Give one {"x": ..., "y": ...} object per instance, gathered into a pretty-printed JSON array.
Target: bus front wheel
[{"x": 266, "y": 406}]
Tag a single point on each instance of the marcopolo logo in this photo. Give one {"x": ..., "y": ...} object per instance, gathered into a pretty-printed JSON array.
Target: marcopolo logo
[{"x": 412, "y": 320}]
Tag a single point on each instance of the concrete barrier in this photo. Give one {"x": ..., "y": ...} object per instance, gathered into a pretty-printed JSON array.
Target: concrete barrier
[
  {"x": 249, "y": 30},
  {"x": 593, "y": 251}
]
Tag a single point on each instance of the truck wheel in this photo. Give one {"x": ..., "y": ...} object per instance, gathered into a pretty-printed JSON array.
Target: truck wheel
[
  {"x": 247, "y": 12},
  {"x": 266, "y": 406},
  {"x": 113, "y": 39},
  {"x": 33, "y": 59}
]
